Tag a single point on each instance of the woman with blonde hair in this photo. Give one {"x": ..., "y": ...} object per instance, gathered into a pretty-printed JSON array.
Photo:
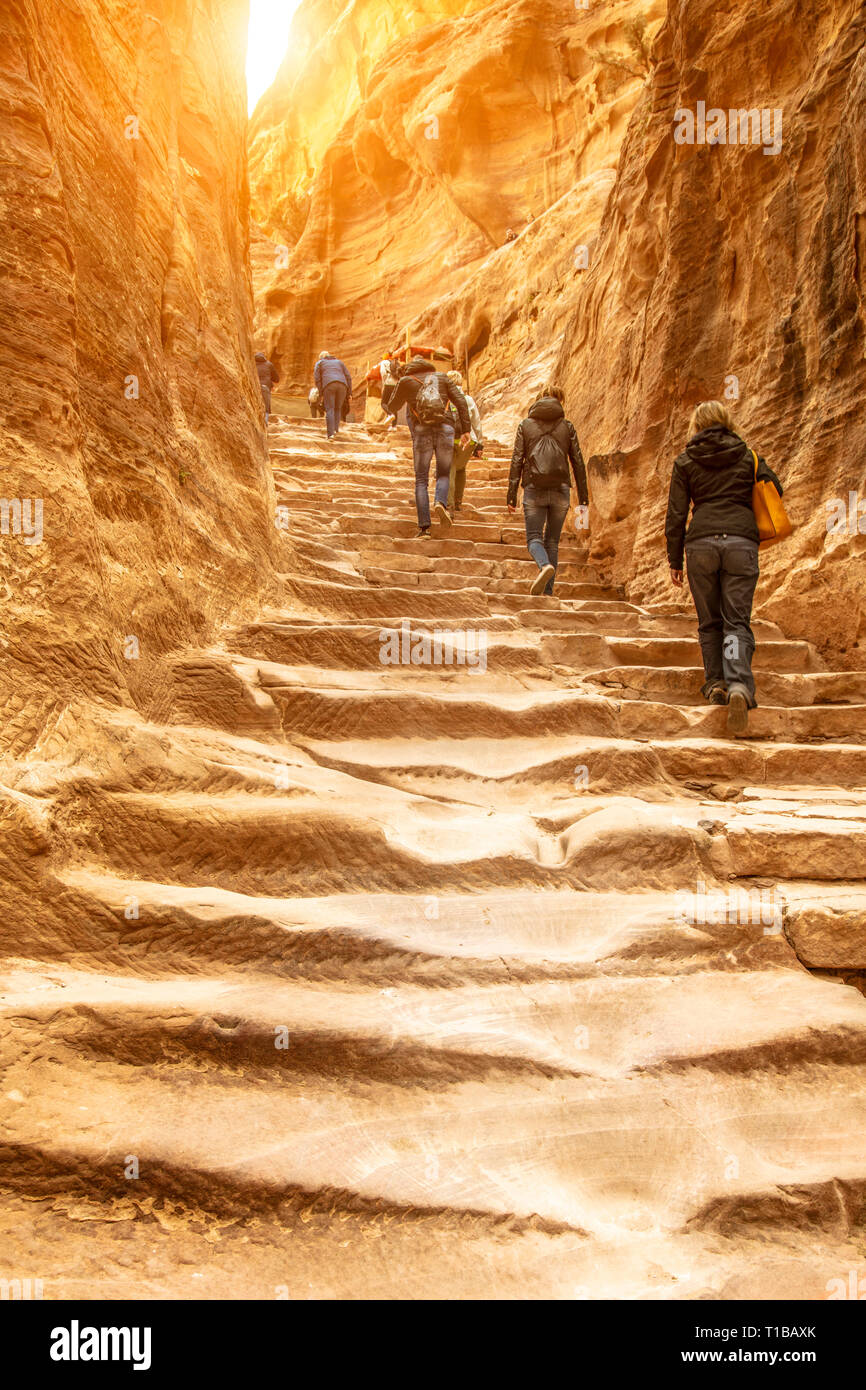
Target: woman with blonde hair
[{"x": 714, "y": 477}]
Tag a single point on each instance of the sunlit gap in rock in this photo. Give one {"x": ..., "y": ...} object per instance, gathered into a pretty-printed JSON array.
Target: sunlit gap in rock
[{"x": 267, "y": 41}]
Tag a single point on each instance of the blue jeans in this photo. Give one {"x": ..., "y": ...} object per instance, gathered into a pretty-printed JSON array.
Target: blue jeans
[
  {"x": 722, "y": 572},
  {"x": 427, "y": 440},
  {"x": 544, "y": 513},
  {"x": 333, "y": 396}
]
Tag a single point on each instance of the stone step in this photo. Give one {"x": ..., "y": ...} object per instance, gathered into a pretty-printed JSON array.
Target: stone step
[
  {"x": 773, "y": 688},
  {"x": 504, "y": 775},
  {"x": 456, "y": 582},
  {"x": 376, "y": 524},
  {"x": 453, "y": 709},
  {"x": 422, "y": 560},
  {"x": 278, "y": 843},
  {"x": 361, "y": 1110},
  {"x": 365, "y": 645},
  {"x": 454, "y": 544},
  {"x": 392, "y": 938},
  {"x": 773, "y": 655}
]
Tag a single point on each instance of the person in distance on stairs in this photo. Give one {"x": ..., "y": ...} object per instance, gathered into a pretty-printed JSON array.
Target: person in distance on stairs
[
  {"x": 714, "y": 476},
  {"x": 268, "y": 378},
  {"x": 335, "y": 389},
  {"x": 545, "y": 448},
  {"x": 427, "y": 392},
  {"x": 473, "y": 449}
]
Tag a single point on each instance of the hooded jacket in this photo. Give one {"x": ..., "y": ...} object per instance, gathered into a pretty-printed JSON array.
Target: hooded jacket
[
  {"x": 329, "y": 370},
  {"x": 530, "y": 430},
  {"x": 410, "y": 384},
  {"x": 267, "y": 372},
  {"x": 714, "y": 475}
]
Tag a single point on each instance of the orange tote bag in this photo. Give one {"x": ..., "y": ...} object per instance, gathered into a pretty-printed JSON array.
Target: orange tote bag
[{"x": 774, "y": 524}]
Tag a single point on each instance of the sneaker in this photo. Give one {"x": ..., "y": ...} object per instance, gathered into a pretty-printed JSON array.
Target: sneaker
[
  {"x": 718, "y": 695},
  {"x": 542, "y": 579},
  {"x": 738, "y": 712},
  {"x": 422, "y": 535},
  {"x": 441, "y": 515}
]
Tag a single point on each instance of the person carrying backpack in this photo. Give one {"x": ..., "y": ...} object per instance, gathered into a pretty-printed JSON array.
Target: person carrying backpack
[
  {"x": 335, "y": 389},
  {"x": 546, "y": 453},
  {"x": 268, "y": 378},
  {"x": 462, "y": 455},
  {"x": 714, "y": 476},
  {"x": 427, "y": 394}
]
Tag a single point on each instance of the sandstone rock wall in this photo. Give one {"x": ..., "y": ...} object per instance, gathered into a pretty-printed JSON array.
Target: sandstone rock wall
[
  {"x": 131, "y": 411},
  {"x": 718, "y": 261},
  {"x": 324, "y": 77},
  {"x": 395, "y": 177}
]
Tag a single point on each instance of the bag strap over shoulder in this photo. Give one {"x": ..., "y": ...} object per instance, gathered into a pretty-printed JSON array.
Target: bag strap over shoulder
[{"x": 755, "y": 457}]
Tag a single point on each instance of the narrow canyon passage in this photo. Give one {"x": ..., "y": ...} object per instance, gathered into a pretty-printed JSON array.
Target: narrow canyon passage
[
  {"x": 474, "y": 980},
  {"x": 371, "y": 928}
]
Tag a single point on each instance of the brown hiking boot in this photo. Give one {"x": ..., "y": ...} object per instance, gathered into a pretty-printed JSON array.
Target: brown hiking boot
[{"x": 738, "y": 712}]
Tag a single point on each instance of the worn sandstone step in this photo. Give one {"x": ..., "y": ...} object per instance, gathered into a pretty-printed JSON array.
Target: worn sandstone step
[
  {"x": 421, "y": 559},
  {"x": 319, "y": 712},
  {"x": 488, "y": 771},
  {"x": 279, "y": 842},
  {"x": 454, "y": 582},
  {"x": 448, "y": 939},
  {"x": 334, "y": 1111},
  {"x": 785, "y": 689},
  {"x": 441, "y": 940},
  {"x": 475, "y": 644},
  {"x": 379, "y": 550}
]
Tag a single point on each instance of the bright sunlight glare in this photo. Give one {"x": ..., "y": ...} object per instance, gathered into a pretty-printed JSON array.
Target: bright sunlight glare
[{"x": 266, "y": 43}]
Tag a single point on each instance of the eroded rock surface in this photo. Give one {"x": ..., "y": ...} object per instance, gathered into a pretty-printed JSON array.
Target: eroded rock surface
[
  {"x": 131, "y": 412},
  {"x": 720, "y": 261},
  {"x": 390, "y": 176}
]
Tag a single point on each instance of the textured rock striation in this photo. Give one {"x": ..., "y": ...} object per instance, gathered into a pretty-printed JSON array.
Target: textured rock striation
[
  {"x": 719, "y": 261},
  {"x": 389, "y": 178},
  {"x": 131, "y": 415}
]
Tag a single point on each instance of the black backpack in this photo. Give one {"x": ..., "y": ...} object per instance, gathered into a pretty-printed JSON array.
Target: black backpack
[
  {"x": 429, "y": 407},
  {"x": 548, "y": 461}
]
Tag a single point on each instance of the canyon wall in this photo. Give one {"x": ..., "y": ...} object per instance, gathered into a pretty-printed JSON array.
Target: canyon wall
[
  {"x": 386, "y": 180},
  {"x": 721, "y": 269},
  {"x": 132, "y": 425}
]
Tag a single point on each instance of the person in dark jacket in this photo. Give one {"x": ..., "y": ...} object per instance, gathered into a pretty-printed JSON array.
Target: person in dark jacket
[
  {"x": 544, "y": 471},
  {"x": 335, "y": 389},
  {"x": 714, "y": 477},
  {"x": 268, "y": 378},
  {"x": 430, "y": 437}
]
